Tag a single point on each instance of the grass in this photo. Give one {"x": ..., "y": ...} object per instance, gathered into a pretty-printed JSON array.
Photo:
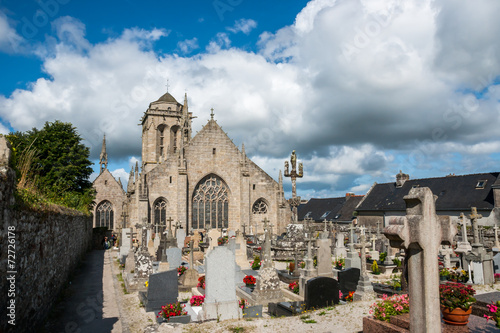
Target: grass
[
  {"x": 322, "y": 313},
  {"x": 303, "y": 317},
  {"x": 237, "y": 329},
  {"x": 310, "y": 321}
]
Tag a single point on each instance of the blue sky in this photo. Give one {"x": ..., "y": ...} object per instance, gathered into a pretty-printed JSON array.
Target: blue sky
[{"x": 360, "y": 89}]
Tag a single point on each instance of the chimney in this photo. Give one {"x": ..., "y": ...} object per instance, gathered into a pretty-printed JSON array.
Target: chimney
[
  {"x": 401, "y": 178},
  {"x": 496, "y": 192}
]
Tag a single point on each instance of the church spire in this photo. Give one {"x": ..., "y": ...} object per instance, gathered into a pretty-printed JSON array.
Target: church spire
[{"x": 103, "y": 158}]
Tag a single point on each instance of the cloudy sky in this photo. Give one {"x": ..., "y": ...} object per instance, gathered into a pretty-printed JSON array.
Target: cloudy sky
[{"x": 360, "y": 89}]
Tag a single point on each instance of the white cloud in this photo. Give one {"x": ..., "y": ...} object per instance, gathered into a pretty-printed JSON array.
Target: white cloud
[
  {"x": 188, "y": 45},
  {"x": 360, "y": 89},
  {"x": 243, "y": 25},
  {"x": 122, "y": 174},
  {"x": 10, "y": 40}
]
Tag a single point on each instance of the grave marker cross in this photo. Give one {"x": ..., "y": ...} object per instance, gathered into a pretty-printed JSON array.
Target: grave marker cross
[
  {"x": 473, "y": 219},
  {"x": 420, "y": 233}
]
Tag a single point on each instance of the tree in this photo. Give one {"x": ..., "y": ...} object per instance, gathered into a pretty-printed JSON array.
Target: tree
[{"x": 60, "y": 162}]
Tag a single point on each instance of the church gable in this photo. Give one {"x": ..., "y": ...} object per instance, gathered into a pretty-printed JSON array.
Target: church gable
[{"x": 105, "y": 182}]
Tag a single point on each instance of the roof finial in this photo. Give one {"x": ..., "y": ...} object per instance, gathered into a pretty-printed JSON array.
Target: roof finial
[
  {"x": 212, "y": 113},
  {"x": 168, "y": 85}
]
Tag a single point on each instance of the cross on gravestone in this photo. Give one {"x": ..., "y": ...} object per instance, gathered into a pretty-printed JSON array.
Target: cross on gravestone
[
  {"x": 473, "y": 219},
  {"x": 446, "y": 251},
  {"x": 144, "y": 226},
  {"x": 495, "y": 228},
  {"x": 267, "y": 261},
  {"x": 373, "y": 239},
  {"x": 191, "y": 253},
  {"x": 378, "y": 229},
  {"x": 364, "y": 290},
  {"x": 420, "y": 233},
  {"x": 464, "y": 228},
  {"x": 169, "y": 220},
  {"x": 351, "y": 243}
]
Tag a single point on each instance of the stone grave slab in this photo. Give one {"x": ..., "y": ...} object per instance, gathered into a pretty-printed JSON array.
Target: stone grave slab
[
  {"x": 348, "y": 279},
  {"x": 162, "y": 289},
  {"x": 321, "y": 292},
  {"x": 477, "y": 267},
  {"x": 286, "y": 309},
  {"x": 479, "y": 308}
]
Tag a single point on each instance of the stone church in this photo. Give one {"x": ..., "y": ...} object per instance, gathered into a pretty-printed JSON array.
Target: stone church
[{"x": 197, "y": 182}]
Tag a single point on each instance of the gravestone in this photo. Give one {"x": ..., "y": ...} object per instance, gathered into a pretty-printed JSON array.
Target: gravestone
[
  {"x": 151, "y": 248},
  {"x": 340, "y": 250},
  {"x": 212, "y": 236},
  {"x": 420, "y": 233},
  {"x": 174, "y": 257},
  {"x": 156, "y": 241},
  {"x": 220, "y": 291},
  {"x": 477, "y": 268},
  {"x": 231, "y": 233},
  {"x": 238, "y": 275},
  {"x": 162, "y": 289},
  {"x": 496, "y": 263},
  {"x": 324, "y": 258},
  {"x": 241, "y": 251},
  {"x": 129, "y": 262},
  {"x": 352, "y": 258},
  {"x": 126, "y": 244},
  {"x": 348, "y": 279},
  {"x": 321, "y": 292},
  {"x": 181, "y": 236}
]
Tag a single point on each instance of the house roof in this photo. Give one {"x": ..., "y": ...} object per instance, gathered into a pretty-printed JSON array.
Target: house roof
[
  {"x": 453, "y": 192},
  {"x": 335, "y": 209}
]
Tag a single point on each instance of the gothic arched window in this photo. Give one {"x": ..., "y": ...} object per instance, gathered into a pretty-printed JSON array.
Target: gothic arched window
[
  {"x": 210, "y": 203},
  {"x": 160, "y": 215},
  {"x": 104, "y": 215},
  {"x": 259, "y": 207}
]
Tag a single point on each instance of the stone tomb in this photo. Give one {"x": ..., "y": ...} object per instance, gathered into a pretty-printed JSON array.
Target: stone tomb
[
  {"x": 162, "y": 289},
  {"x": 181, "y": 236}
]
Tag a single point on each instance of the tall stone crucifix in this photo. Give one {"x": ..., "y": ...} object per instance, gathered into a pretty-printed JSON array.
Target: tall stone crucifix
[
  {"x": 144, "y": 226},
  {"x": 420, "y": 233},
  {"x": 473, "y": 220},
  {"x": 364, "y": 290},
  {"x": 295, "y": 200}
]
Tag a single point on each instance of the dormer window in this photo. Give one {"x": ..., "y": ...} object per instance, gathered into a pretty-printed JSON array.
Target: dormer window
[
  {"x": 325, "y": 215},
  {"x": 415, "y": 186},
  {"x": 307, "y": 215},
  {"x": 481, "y": 184}
]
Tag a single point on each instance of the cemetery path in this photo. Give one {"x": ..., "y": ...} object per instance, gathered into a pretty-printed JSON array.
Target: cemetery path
[{"x": 89, "y": 304}]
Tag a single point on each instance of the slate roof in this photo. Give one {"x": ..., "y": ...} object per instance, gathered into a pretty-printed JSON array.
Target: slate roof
[
  {"x": 454, "y": 193},
  {"x": 167, "y": 98},
  {"x": 335, "y": 209}
]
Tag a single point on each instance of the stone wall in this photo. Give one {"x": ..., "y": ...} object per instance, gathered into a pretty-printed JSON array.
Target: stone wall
[{"x": 48, "y": 246}]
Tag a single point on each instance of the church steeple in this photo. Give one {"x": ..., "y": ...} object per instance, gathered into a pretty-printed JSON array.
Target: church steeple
[{"x": 103, "y": 158}]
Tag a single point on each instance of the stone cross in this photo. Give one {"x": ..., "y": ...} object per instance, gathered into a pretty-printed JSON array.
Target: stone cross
[
  {"x": 267, "y": 261},
  {"x": 446, "y": 251},
  {"x": 473, "y": 219},
  {"x": 378, "y": 229},
  {"x": 497, "y": 245},
  {"x": 420, "y": 233},
  {"x": 191, "y": 253},
  {"x": 309, "y": 258},
  {"x": 373, "y": 239},
  {"x": 464, "y": 228},
  {"x": 169, "y": 220},
  {"x": 295, "y": 200},
  {"x": 351, "y": 243},
  {"x": 364, "y": 290},
  {"x": 145, "y": 226}
]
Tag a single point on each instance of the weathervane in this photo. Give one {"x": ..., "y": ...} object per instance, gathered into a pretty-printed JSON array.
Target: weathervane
[{"x": 295, "y": 200}]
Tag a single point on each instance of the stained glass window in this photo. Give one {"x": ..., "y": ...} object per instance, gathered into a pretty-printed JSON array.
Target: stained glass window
[
  {"x": 104, "y": 215},
  {"x": 210, "y": 203},
  {"x": 160, "y": 216}
]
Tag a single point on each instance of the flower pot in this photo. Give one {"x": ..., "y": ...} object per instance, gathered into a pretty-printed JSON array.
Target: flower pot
[
  {"x": 443, "y": 278},
  {"x": 457, "y": 316},
  {"x": 250, "y": 286},
  {"x": 185, "y": 319}
]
